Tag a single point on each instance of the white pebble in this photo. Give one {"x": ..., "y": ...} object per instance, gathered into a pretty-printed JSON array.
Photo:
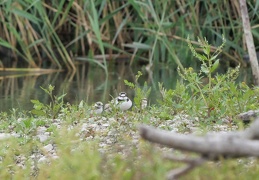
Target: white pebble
[
  {"x": 42, "y": 159},
  {"x": 41, "y": 130},
  {"x": 4, "y": 135},
  {"x": 42, "y": 137},
  {"x": 106, "y": 125},
  {"x": 48, "y": 147}
]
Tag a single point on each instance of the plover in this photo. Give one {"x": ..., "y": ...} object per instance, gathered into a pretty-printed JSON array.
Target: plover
[
  {"x": 123, "y": 102},
  {"x": 97, "y": 108},
  {"x": 109, "y": 106},
  {"x": 143, "y": 103}
]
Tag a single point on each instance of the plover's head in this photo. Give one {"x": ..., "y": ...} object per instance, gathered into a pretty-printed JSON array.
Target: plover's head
[
  {"x": 98, "y": 108},
  {"x": 98, "y": 105},
  {"x": 122, "y": 96}
]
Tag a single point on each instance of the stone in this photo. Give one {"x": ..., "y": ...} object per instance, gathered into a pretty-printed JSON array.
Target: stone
[
  {"x": 4, "y": 136},
  {"x": 42, "y": 159},
  {"x": 48, "y": 147},
  {"x": 41, "y": 130},
  {"x": 42, "y": 137}
]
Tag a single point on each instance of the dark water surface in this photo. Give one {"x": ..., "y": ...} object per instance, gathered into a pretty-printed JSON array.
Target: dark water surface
[{"x": 89, "y": 84}]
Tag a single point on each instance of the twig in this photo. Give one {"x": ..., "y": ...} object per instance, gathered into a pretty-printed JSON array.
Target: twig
[{"x": 192, "y": 163}]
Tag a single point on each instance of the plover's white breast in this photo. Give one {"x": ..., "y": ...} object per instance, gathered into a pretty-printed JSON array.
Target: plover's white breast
[{"x": 123, "y": 101}]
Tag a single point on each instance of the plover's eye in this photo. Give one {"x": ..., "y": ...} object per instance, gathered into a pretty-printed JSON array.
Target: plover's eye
[{"x": 99, "y": 104}]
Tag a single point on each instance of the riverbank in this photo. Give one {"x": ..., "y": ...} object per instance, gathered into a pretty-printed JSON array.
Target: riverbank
[{"x": 104, "y": 146}]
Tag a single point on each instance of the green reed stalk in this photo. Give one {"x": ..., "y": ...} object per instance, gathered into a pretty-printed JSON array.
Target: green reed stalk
[{"x": 36, "y": 31}]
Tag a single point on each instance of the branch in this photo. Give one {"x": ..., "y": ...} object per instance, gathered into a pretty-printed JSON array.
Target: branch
[
  {"x": 191, "y": 163},
  {"x": 249, "y": 41},
  {"x": 211, "y": 146},
  {"x": 248, "y": 116}
]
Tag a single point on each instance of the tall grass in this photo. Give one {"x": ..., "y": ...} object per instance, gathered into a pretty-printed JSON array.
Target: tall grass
[{"x": 53, "y": 34}]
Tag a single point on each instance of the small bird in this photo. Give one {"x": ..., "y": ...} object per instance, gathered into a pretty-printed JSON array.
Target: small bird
[
  {"x": 123, "y": 102},
  {"x": 97, "y": 108},
  {"x": 143, "y": 103},
  {"x": 108, "y": 107}
]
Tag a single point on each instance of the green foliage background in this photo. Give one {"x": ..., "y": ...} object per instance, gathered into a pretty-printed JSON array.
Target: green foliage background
[{"x": 33, "y": 32}]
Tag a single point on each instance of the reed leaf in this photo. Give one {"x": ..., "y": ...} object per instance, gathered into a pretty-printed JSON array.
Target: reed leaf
[{"x": 55, "y": 31}]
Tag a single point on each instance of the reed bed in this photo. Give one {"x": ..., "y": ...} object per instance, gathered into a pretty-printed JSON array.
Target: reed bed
[{"x": 57, "y": 33}]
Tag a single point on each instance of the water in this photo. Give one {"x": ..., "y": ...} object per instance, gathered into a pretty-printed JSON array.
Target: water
[{"x": 89, "y": 84}]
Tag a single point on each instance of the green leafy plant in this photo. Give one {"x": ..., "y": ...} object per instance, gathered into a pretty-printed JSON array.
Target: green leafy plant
[
  {"x": 51, "y": 110},
  {"x": 211, "y": 92},
  {"x": 140, "y": 93},
  {"x": 209, "y": 60},
  {"x": 220, "y": 96},
  {"x": 178, "y": 99}
]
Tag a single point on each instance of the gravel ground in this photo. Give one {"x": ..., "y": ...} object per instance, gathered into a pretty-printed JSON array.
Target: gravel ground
[{"x": 109, "y": 132}]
